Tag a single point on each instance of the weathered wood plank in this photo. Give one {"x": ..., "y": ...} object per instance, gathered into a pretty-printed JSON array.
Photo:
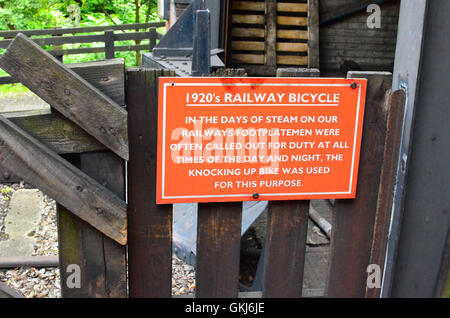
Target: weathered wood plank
[
  {"x": 62, "y": 135},
  {"x": 292, "y": 7},
  {"x": 248, "y": 5},
  {"x": 58, "y": 133},
  {"x": 218, "y": 242},
  {"x": 107, "y": 76},
  {"x": 292, "y": 34},
  {"x": 353, "y": 220},
  {"x": 292, "y": 47},
  {"x": 248, "y": 58},
  {"x": 271, "y": 33},
  {"x": 248, "y": 18},
  {"x": 68, "y": 92},
  {"x": 287, "y": 229},
  {"x": 394, "y": 130},
  {"x": 285, "y": 246},
  {"x": 150, "y": 225},
  {"x": 248, "y": 45},
  {"x": 248, "y": 32},
  {"x": 292, "y": 60},
  {"x": 292, "y": 21},
  {"x": 43, "y": 168},
  {"x": 133, "y": 26},
  {"x": 102, "y": 261},
  {"x": 313, "y": 34}
]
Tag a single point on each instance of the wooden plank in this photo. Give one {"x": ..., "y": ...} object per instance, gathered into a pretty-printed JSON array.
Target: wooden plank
[
  {"x": 388, "y": 180},
  {"x": 285, "y": 249},
  {"x": 58, "y": 133},
  {"x": 271, "y": 33},
  {"x": 248, "y": 58},
  {"x": 62, "y": 135},
  {"x": 109, "y": 44},
  {"x": 248, "y": 32},
  {"x": 292, "y": 21},
  {"x": 132, "y": 26},
  {"x": 43, "y": 168},
  {"x": 292, "y": 7},
  {"x": 353, "y": 220},
  {"x": 292, "y": 47},
  {"x": 218, "y": 242},
  {"x": 248, "y": 5},
  {"x": 247, "y": 45},
  {"x": 292, "y": 60},
  {"x": 119, "y": 48},
  {"x": 248, "y": 18},
  {"x": 69, "y": 93},
  {"x": 218, "y": 248},
  {"x": 287, "y": 229},
  {"x": 150, "y": 225},
  {"x": 102, "y": 261},
  {"x": 313, "y": 34},
  {"x": 107, "y": 76},
  {"x": 292, "y": 34}
]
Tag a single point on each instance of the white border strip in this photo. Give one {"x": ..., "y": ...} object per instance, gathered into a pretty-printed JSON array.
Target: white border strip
[{"x": 260, "y": 194}]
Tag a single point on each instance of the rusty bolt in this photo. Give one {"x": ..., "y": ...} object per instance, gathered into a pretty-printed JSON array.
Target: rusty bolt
[
  {"x": 255, "y": 195},
  {"x": 354, "y": 85}
]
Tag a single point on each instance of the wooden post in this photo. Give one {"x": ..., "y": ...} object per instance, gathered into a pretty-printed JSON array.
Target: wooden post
[
  {"x": 354, "y": 220},
  {"x": 152, "y": 38},
  {"x": 149, "y": 225},
  {"x": 67, "y": 92},
  {"x": 109, "y": 44},
  {"x": 287, "y": 227},
  {"x": 271, "y": 33},
  {"x": 313, "y": 34},
  {"x": 102, "y": 262}
]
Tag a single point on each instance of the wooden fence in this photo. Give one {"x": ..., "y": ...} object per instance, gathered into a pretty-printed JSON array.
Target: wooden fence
[
  {"x": 56, "y": 38},
  {"x": 79, "y": 160}
]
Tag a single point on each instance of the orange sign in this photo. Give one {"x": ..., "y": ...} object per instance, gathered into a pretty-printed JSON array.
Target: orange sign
[{"x": 241, "y": 139}]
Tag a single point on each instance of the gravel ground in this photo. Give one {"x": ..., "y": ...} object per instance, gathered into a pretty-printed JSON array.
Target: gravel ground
[{"x": 44, "y": 282}]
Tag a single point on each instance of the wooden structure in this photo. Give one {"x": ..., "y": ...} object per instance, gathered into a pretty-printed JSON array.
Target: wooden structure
[
  {"x": 56, "y": 38},
  {"x": 264, "y": 35},
  {"x": 79, "y": 161}
]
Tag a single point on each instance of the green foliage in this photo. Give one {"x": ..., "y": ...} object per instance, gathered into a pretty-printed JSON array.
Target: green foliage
[
  {"x": 29, "y": 14},
  {"x": 43, "y": 14}
]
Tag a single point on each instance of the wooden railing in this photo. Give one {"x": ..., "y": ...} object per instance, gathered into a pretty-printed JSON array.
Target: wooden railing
[{"x": 56, "y": 38}]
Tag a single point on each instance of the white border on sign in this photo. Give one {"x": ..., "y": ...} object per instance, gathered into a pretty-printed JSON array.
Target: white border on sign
[{"x": 260, "y": 194}]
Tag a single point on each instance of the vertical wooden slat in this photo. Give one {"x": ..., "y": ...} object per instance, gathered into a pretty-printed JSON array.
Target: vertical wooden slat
[
  {"x": 313, "y": 33},
  {"x": 285, "y": 249},
  {"x": 271, "y": 33},
  {"x": 218, "y": 243},
  {"x": 149, "y": 225},
  {"x": 218, "y": 247},
  {"x": 109, "y": 44},
  {"x": 387, "y": 184},
  {"x": 285, "y": 245},
  {"x": 353, "y": 220},
  {"x": 102, "y": 261},
  {"x": 153, "y": 35}
]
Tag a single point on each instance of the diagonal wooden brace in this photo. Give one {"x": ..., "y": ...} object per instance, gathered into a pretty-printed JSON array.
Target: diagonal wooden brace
[
  {"x": 68, "y": 93},
  {"x": 79, "y": 193}
]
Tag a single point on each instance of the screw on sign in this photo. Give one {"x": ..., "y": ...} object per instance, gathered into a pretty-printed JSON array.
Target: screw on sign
[{"x": 241, "y": 139}]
